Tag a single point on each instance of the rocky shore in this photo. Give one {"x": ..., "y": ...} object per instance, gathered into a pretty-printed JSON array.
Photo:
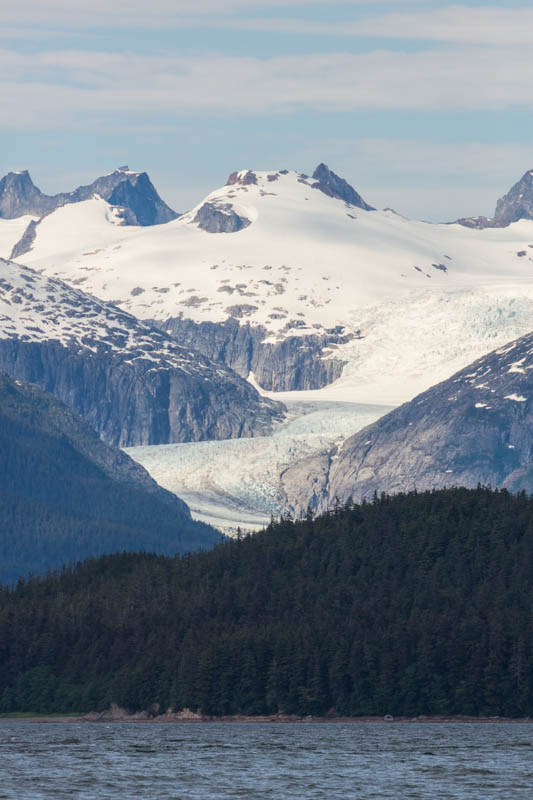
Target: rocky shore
[{"x": 116, "y": 714}]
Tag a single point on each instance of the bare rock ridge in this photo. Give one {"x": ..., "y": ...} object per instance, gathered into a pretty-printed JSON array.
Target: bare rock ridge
[
  {"x": 25, "y": 243},
  {"x": 475, "y": 427},
  {"x": 334, "y": 186},
  {"x": 131, "y": 190},
  {"x": 85, "y": 351},
  {"x": 517, "y": 204}
]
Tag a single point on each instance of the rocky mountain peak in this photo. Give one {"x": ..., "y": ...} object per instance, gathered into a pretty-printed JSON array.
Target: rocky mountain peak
[
  {"x": 335, "y": 186},
  {"x": 20, "y": 196},
  {"x": 133, "y": 191},
  {"x": 517, "y": 203}
]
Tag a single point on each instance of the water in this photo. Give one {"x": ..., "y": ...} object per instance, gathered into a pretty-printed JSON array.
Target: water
[{"x": 274, "y": 761}]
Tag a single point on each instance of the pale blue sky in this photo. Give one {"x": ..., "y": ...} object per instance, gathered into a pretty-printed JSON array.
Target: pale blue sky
[{"x": 424, "y": 106}]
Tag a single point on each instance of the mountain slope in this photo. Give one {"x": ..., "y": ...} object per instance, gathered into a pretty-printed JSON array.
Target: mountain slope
[
  {"x": 475, "y": 427},
  {"x": 65, "y": 495},
  {"x": 134, "y": 384},
  {"x": 131, "y": 190},
  {"x": 272, "y": 275}
]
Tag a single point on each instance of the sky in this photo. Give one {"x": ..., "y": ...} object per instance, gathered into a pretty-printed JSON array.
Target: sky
[{"x": 424, "y": 106}]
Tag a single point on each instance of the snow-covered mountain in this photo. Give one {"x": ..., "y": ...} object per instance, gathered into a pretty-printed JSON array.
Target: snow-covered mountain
[
  {"x": 300, "y": 286},
  {"x": 132, "y": 191},
  {"x": 276, "y": 273},
  {"x": 132, "y": 382}
]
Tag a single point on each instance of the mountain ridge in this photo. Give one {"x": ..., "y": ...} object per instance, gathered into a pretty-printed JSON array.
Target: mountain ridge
[{"x": 133, "y": 191}]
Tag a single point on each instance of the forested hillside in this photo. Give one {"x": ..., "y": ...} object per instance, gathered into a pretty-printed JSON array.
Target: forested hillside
[
  {"x": 65, "y": 495},
  {"x": 416, "y": 604}
]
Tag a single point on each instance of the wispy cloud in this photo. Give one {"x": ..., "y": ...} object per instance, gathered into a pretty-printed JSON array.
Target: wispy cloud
[
  {"x": 131, "y": 13},
  {"x": 72, "y": 84},
  {"x": 486, "y": 25}
]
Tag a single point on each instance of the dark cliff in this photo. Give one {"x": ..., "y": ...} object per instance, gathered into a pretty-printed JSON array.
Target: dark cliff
[{"x": 133, "y": 383}]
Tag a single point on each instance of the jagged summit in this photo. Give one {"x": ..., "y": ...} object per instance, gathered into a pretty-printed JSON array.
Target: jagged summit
[
  {"x": 334, "y": 186},
  {"x": 517, "y": 204},
  {"x": 133, "y": 191},
  {"x": 20, "y": 196}
]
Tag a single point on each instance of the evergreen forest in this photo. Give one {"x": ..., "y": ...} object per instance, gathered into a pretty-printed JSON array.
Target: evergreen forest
[
  {"x": 406, "y": 605},
  {"x": 58, "y": 502}
]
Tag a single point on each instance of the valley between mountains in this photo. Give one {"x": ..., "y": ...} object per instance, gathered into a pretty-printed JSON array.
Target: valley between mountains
[{"x": 282, "y": 346}]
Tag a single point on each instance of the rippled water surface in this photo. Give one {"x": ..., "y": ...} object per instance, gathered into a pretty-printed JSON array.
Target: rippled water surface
[{"x": 277, "y": 761}]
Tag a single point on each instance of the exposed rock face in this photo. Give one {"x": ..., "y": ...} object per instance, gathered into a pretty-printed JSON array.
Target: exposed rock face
[
  {"x": 131, "y": 190},
  {"x": 243, "y": 178},
  {"x": 476, "y": 222},
  {"x": 475, "y": 427},
  {"x": 219, "y": 218},
  {"x": 19, "y": 196},
  {"x": 334, "y": 186},
  {"x": 26, "y": 241},
  {"x": 515, "y": 205},
  {"x": 296, "y": 363},
  {"x": 133, "y": 384}
]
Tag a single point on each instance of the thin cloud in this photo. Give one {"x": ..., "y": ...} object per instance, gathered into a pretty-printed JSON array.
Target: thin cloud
[
  {"x": 134, "y": 13},
  {"x": 487, "y": 25},
  {"x": 73, "y": 84}
]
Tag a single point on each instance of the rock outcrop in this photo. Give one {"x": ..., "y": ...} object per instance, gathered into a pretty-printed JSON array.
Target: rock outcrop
[
  {"x": 334, "y": 186},
  {"x": 219, "y": 218},
  {"x": 134, "y": 384},
  {"x": 475, "y": 427},
  {"x": 294, "y": 363},
  {"x": 131, "y": 190}
]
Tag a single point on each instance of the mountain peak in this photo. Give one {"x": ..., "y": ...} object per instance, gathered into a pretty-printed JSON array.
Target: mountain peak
[
  {"x": 335, "y": 186},
  {"x": 517, "y": 203},
  {"x": 20, "y": 196},
  {"x": 133, "y": 191}
]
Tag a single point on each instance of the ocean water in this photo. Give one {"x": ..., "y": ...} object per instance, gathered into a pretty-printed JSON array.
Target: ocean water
[{"x": 267, "y": 761}]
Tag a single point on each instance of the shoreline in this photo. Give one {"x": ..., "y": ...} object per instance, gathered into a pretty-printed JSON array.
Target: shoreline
[{"x": 116, "y": 715}]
